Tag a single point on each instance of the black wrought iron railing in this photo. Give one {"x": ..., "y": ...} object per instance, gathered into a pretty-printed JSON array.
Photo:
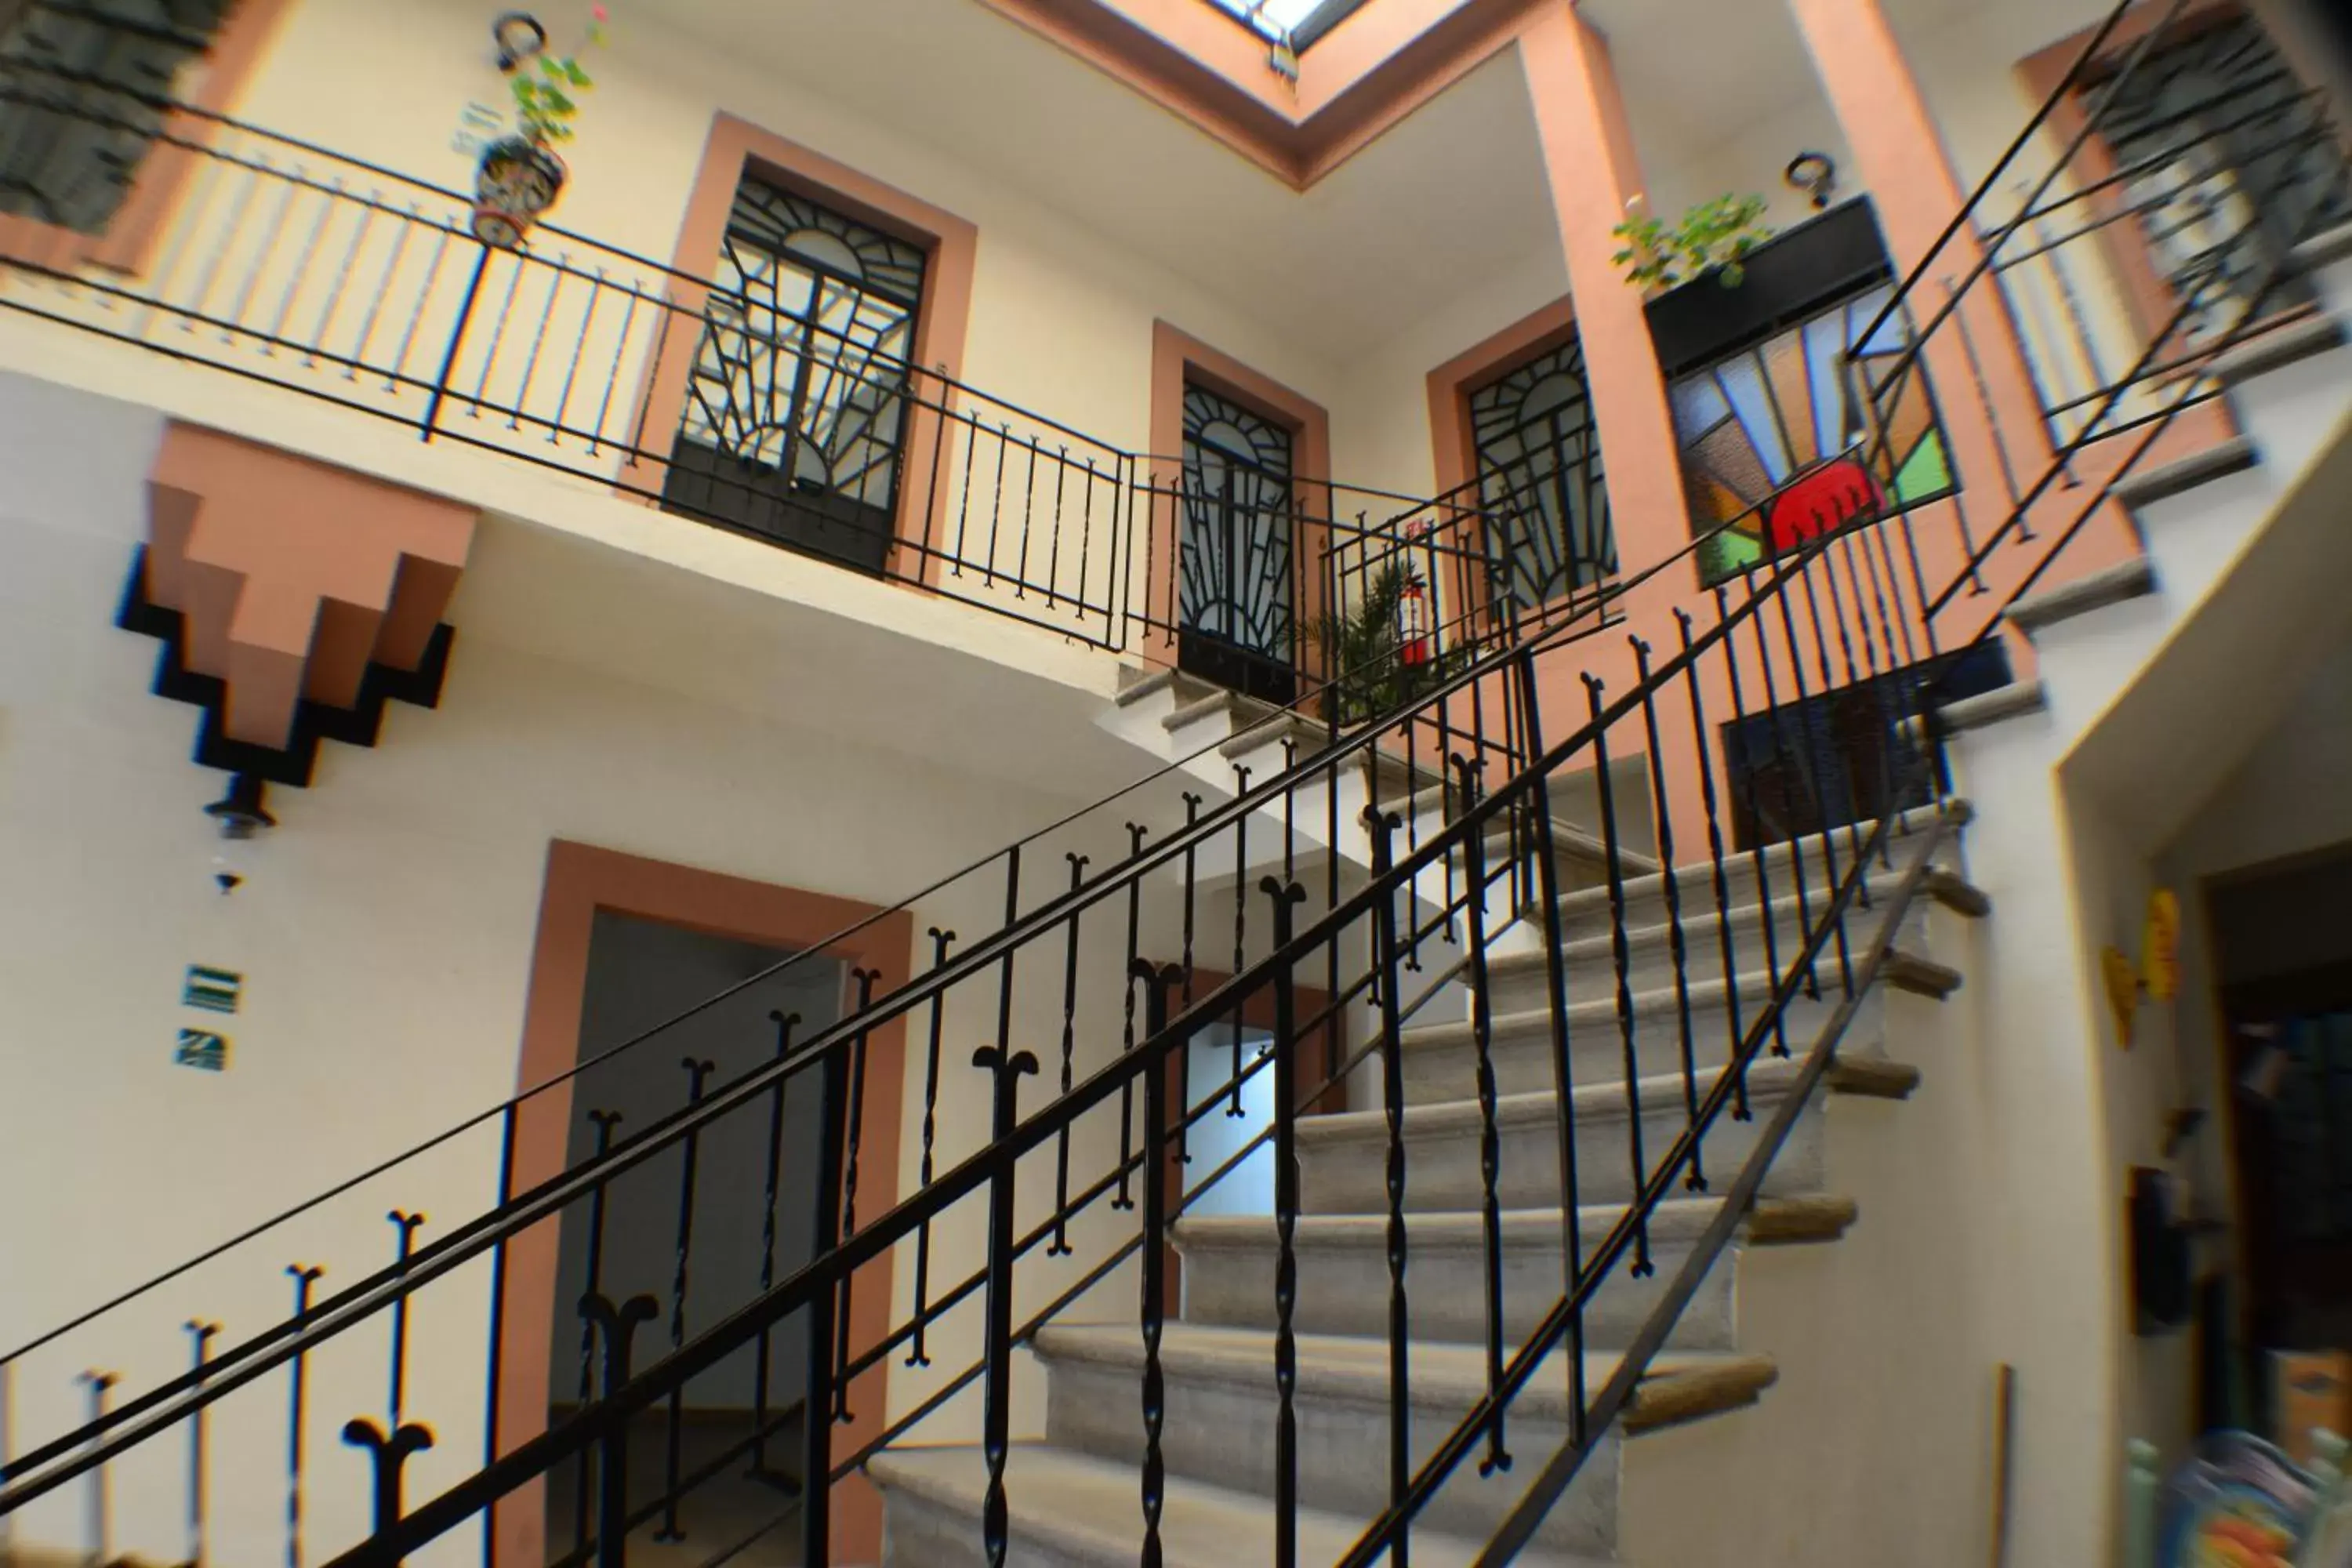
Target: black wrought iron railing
[
  {"x": 1329, "y": 885},
  {"x": 290, "y": 264}
]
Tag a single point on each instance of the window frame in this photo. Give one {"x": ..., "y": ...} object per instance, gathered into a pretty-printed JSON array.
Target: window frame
[
  {"x": 127, "y": 243},
  {"x": 736, "y": 148}
]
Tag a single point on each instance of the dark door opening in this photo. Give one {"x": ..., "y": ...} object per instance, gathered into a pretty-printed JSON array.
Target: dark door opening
[
  {"x": 642, "y": 974},
  {"x": 1840, "y": 757}
]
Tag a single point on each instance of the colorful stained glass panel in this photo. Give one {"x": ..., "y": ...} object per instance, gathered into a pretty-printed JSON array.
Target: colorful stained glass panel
[{"x": 1792, "y": 438}]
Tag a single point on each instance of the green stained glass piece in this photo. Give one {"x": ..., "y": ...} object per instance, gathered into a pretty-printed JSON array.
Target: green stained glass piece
[
  {"x": 1726, "y": 554},
  {"x": 1924, "y": 473}
]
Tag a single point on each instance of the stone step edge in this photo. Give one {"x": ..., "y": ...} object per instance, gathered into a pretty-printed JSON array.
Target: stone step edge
[
  {"x": 1676, "y": 1386},
  {"x": 1769, "y": 1221},
  {"x": 1660, "y": 1093},
  {"x": 1901, "y": 970}
]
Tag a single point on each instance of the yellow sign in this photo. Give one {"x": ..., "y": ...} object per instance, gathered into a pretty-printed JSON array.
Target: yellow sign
[
  {"x": 2160, "y": 947},
  {"x": 2122, "y": 991}
]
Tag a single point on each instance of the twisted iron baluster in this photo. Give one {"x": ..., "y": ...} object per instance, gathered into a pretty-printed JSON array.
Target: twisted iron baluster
[
  {"x": 1703, "y": 742},
  {"x": 1385, "y": 826},
  {"x": 698, "y": 1073},
  {"x": 1490, "y": 1147},
  {"x": 915, "y": 1354},
  {"x": 304, "y": 1277},
  {"x": 785, "y": 1022},
  {"x": 1159, "y": 1174},
  {"x": 1621, "y": 957},
  {"x": 1060, "y": 1246},
  {"x": 866, "y": 979},
  {"x": 1006, "y": 1068},
  {"x": 1697, "y": 1179},
  {"x": 1126, "y": 1198},
  {"x": 1285, "y": 896}
]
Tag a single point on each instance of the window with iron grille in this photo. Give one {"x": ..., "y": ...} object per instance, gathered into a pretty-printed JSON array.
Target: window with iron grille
[
  {"x": 2224, "y": 160},
  {"x": 81, "y": 85},
  {"x": 796, "y": 407},
  {"x": 1540, "y": 487}
]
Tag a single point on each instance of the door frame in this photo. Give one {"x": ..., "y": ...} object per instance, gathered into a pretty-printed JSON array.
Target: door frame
[
  {"x": 1178, "y": 357},
  {"x": 582, "y": 878}
]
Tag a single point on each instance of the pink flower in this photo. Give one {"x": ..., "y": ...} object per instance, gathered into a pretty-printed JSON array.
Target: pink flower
[{"x": 599, "y": 13}]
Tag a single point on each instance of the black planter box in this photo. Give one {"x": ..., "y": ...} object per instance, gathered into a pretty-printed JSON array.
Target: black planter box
[{"x": 1788, "y": 277}]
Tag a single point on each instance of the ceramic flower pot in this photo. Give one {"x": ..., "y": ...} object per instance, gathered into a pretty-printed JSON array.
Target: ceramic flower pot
[{"x": 517, "y": 180}]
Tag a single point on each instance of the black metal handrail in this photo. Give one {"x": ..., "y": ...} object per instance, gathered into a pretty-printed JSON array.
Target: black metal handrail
[{"x": 1829, "y": 614}]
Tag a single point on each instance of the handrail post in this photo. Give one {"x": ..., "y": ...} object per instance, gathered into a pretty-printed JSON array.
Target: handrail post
[{"x": 456, "y": 342}]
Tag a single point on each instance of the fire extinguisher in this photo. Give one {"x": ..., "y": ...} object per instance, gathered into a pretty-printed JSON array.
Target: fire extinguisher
[{"x": 1412, "y": 623}]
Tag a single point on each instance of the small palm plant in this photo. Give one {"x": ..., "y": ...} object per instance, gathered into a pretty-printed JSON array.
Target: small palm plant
[{"x": 1371, "y": 668}]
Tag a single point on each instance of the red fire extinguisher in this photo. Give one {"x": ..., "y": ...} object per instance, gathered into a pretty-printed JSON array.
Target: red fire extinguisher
[{"x": 1412, "y": 623}]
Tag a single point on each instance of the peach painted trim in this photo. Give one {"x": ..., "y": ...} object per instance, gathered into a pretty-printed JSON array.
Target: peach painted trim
[
  {"x": 942, "y": 321},
  {"x": 1375, "y": 68},
  {"x": 130, "y": 239},
  {"x": 582, "y": 879},
  {"x": 2147, "y": 299},
  {"x": 1177, "y": 357}
]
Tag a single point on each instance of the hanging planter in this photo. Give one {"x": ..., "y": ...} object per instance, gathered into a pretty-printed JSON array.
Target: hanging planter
[
  {"x": 517, "y": 180},
  {"x": 521, "y": 176}
]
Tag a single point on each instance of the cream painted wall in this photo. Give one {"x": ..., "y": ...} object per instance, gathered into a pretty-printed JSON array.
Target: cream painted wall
[{"x": 385, "y": 932}]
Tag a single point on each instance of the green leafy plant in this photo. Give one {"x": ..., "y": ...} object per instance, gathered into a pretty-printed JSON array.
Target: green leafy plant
[
  {"x": 1714, "y": 236},
  {"x": 545, "y": 104},
  {"x": 1364, "y": 651}
]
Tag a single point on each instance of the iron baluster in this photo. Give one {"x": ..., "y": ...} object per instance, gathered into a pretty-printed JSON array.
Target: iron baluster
[
  {"x": 1126, "y": 1198},
  {"x": 1824, "y": 557},
  {"x": 1061, "y": 1243},
  {"x": 1797, "y": 874},
  {"x": 1286, "y": 897},
  {"x": 617, "y": 1327},
  {"x": 442, "y": 231},
  {"x": 785, "y": 1022},
  {"x": 613, "y": 373},
  {"x": 1697, "y": 1181},
  {"x": 996, "y": 507},
  {"x": 304, "y": 1277},
  {"x": 817, "y": 1407},
  {"x": 1383, "y": 826},
  {"x": 1703, "y": 746},
  {"x": 1620, "y": 958},
  {"x": 1804, "y": 702},
  {"x": 99, "y": 1519},
  {"x": 915, "y": 1354},
  {"x": 405, "y": 1224},
  {"x": 1053, "y": 550},
  {"x": 382, "y": 292},
  {"x": 388, "y": 1454},
  {"x": 698, "y": 1073},
  {"x": 1864, "y": 680},
  {"x": 1241, "y": 904},
  {"x": 1490, "y": 1150},
  {"x": 301, "y": 265},
  {"x": 866, "y": 979},
  {"x": 1028, "y": 515},
  {"x": 1184, "y": 1046},
  {"x": 1156, "y": 979},
  {"x": 200, "y": 1335},
  {"x": 963, "y": 495},
  {"x": 1756, "y": 859},
  {"x": 360, "y": 231},
  {"x": 1006, "y": 1068},
  {"x": 604, "y": 1121},
  {"x": 1563, "y": 1072},
  {"x": 572, "y": 371},
  {"x": 496, "y": 1352},
  {"x": 292, "y": 181},
  {"x": 457, "y": 339}
]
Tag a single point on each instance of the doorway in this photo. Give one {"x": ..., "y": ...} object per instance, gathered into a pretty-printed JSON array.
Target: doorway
[
  {"x": 1236, "y": 610},
  {"x": 700, "y": 1244}
]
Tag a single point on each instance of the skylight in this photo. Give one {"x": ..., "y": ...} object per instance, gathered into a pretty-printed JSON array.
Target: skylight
[{"x": 1277, "y": 20}]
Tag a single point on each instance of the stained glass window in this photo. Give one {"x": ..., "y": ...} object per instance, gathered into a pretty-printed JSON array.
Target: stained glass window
[
  {"x": 1235, "y": 573},
  {"x": 1781, "y": 441},
  {"x": 1539, "y": 479}
]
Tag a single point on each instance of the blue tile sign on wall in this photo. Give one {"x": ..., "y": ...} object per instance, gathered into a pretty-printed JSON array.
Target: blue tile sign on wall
[
  {"x": 213, "y": 990},
  {"x": 202, "y": 1049}
]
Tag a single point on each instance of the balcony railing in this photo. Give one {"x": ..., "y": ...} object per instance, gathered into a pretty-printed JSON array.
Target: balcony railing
[{"x": 295, "y": 265}]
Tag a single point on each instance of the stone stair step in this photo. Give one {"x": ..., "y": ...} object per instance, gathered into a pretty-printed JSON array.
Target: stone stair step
[
  {"x": 1646, "y": 901},
  {"x": 1221, "y": 1405},
  {"x": 1077, "y": 1511},
  {"x": 1439, "y": 1060},
  {"x": 1521, "y": 981},
  {"x": 1343, "y": 1284},
  {"x": 1342, "y": 1159}
]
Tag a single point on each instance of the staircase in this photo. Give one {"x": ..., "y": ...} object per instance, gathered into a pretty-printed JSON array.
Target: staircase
[{"x": 1073, "y": 1497}]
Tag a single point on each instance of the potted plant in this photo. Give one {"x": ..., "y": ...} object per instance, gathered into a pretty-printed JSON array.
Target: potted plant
[
  {"x": 521, "y": 176},
  {"x": 1712, "y": 238},
  {"x": 1380, "y": 652}
]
